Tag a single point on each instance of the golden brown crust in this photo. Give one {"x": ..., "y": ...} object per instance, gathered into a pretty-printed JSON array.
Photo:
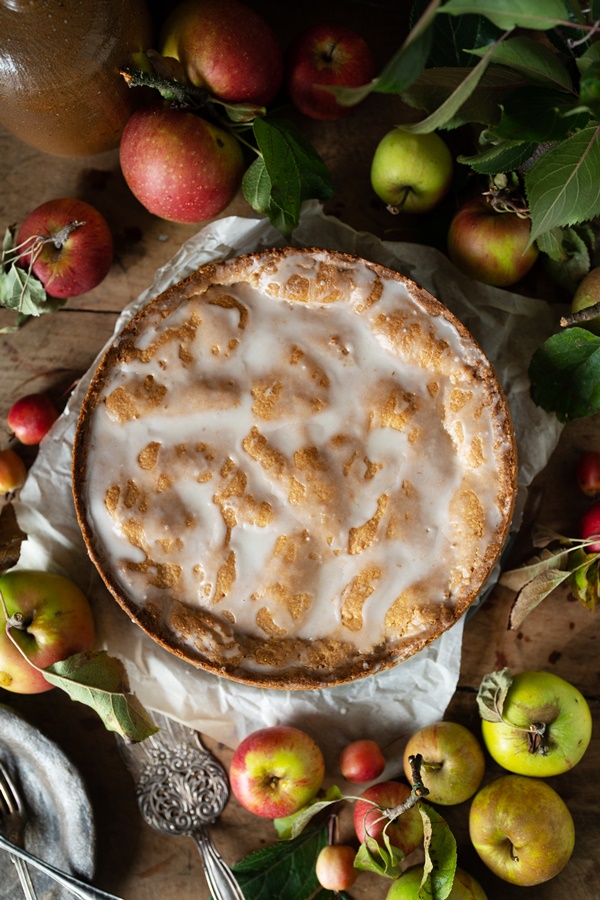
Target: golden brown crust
[{"x": 206, "y": 636}]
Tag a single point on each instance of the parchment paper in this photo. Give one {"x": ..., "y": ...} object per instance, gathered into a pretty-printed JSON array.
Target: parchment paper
[{"x": 508, "y": 327}]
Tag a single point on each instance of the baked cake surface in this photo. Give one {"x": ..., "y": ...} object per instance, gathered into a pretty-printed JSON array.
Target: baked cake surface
[{"x": 294, "y": 468}]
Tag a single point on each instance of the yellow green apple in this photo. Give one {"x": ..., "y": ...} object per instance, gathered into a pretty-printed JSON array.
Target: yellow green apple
[
  {"x": 587, "y": 294},
  {"x": 453, "y": 761},
  {"x": 406, "y": 887},
  {"x": 411, "y": 173}
]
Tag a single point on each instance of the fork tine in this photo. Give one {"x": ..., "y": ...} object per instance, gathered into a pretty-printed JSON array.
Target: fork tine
[
  {"x": 9, "y": 792},
  {"x": 15, "y": 811}
]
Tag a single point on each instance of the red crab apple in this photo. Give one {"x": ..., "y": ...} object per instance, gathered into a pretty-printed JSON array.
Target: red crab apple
[
  {"x": 540, "y": 698},
  {"x": 226, "y": 47},
  {"x": 406, "y": 887},
  {"x": 335, "y": 867},
  {"x": 69, "y": 245},
  {"x": 405, "y": 832},
  {"x": 521, "y": 829},
  {"x": 51, "y": 620},
  {"x": 412, "y": 173},
  {"x": 362, "y": 761},
  {"x": 326, "y": 54},
  {"x": 13, "y": 471},
  {"x": 587, "y": 473},
  {"x": 31, "y": 417},
  {"x": 490, "y": 246},
  {"x": 179, "y": 166},
  {"x": 276, "y": 770},
  {"x": 453, "y": 761},
  {"x": 590, "y": 527}
]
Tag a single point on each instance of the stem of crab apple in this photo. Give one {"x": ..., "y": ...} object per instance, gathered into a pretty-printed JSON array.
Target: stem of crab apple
[
  {"x": 583, "y": 315},
  {"x": 417, "y": 790}
]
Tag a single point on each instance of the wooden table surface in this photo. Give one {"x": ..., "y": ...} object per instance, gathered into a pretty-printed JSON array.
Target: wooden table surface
[{"x": 51, "y": 352}]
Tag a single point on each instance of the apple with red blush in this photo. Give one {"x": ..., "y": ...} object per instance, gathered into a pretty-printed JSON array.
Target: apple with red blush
[
  {"x": 31, "y": 417},
  {"x": 335, "y": 869},
  {"x": 587, "y": 473},
  {"x": 13, "y": 471},
  {"x": 68, "y": 245},
  {"x": 326, "y": 55},
  {"x": 491, "y": 246},
  {"x": 277, "y": 770},
  {"x": 362, "y": 761},
  {"x": 49, "y": 618},
  {"x": 226, "y": 47},
  {"x": 404, "y": 832},
  {"x": 178, "y": 165}
]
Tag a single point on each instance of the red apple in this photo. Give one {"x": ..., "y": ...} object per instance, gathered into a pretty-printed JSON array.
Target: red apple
[
  {"x": 31, "y": 417},
  {"x": 453, "y": 761},
  {"x": 276, "y": 771},
  {"x": 405, "y": 832},
  {"x": 521, "y": 829},
  {"x": 362, "y": 761},
  {"x": 326, "y": 54},
  {"x": 69, "y": 244},
  {"x": 587, "y": 473},
  {"x": 54, "y": 621},
  {"x": 179, "y": 166},
  {"x": 335, "y": 867},
  {"x": 590, "y": 527},
  {"x": 489, "y": 246},
  {"x": 226, "y": 47},
  {"x": 13, "y": 471}
]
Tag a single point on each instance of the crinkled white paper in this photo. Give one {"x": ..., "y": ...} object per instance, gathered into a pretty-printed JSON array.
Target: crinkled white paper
[{"x": 397, "y": 701}]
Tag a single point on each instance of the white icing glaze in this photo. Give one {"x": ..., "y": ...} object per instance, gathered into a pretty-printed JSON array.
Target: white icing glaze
[{"x": 397, "y": 435}]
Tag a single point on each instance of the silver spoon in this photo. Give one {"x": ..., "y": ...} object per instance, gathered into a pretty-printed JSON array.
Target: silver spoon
[{"x": 182, "y": 789}]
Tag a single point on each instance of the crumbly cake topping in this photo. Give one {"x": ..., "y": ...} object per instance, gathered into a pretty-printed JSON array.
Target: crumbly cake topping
[{"x": 295, "y": 462}]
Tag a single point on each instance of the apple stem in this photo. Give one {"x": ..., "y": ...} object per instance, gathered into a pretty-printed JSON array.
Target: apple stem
[
  {"x": 396, "y": 208},
  {"x": 59, "y": 238},
  {"x": 417, "y": 791},
  {"x": 18, "y": 621},
  {"x": 584, "y": 315},
  {"x": 332, "y": 829},
  {"x": 537, "y": 740}
]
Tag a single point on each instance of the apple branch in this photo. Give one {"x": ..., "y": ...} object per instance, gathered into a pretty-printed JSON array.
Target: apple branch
[
  {"x": 417, "y": 790},
  {"x": 584, "y": 315}
]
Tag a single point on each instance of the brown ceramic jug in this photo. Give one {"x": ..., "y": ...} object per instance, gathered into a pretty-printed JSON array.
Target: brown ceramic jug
[{"x": 60, "y": 87}]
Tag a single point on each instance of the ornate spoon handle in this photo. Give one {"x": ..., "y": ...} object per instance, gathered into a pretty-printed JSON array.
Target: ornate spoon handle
[
  {"x": 221, "y": 880},
  {"x": 74, "y": 885}
]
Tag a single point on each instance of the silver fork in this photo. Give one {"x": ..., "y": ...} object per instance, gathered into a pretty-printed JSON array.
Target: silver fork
[{"x": 13, "y": 814}]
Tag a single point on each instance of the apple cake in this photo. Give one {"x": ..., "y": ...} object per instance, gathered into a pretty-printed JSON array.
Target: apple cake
[{"x": 294, "y": 468}]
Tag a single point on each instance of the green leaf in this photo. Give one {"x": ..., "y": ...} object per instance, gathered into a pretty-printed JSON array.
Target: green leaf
[
  {"x": 565, "y": 374},
  {"x": 295, "y": 170},
  {"x": 540, "y": 114},
  {"x": 435, "y": 86},
  {"x": 584, "y": 579},
  {"x": 563, "y": 185},
  {"x": 539, "y": 15},
  {"x": 22, "y": 291},
  {"x": 446, "y": 112},
  {"x": 100, "y": 681},
  {"x": 256, "y": 186},
  {"x": 453, "y": 34},
  {"x": 382, "y": 860},
  {"x": 492, "y": 695},
  {"x": 569, "y": 254},
  {"x": 291, "y": 826},
  {"x": 440, "y": 855},
  {"x": 285, "y": 869},
  {"x": 531, "y": 58},
  {"x": 11, "y": 538},
  {"x": 505, "y": 156}
]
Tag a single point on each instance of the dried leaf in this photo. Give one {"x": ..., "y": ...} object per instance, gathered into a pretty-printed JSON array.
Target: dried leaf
[
  {"x": 517, "y": 579},
  {"x": 11, "y": 538},
  {"x": 533, "y": 593},
  {"x": 492, "y": 694}
]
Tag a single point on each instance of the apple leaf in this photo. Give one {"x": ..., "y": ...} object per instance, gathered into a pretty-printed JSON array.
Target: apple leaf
[
  {"x": 563, "y": 185},
  {"x": 291, "y": 826},
  {"x": 565, "y": 374},
  {"x": 382, "y": 860},
  {"x": 531, "y": 58},
  {"x": 504, "y": 156},
  {"x": 533, "y": 593},
  {"x": 538, "y": 113},
  {"x": 492, "y": 694},
  {"x": 452, "y": 34},
  {"x": 440, "y": 855},
  {"x": 20, "y": 289},
  {"x": 285, "y": 869},
  {"x": 11, "y": 538},
  {"x": 584, "y": 579},
  {"x": 100, "y": 681},
  {"x": 569, "y": 252},
  {"x": 540, "y": 15}
]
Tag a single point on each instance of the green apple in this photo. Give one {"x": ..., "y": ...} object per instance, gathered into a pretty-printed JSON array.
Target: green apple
[
  {"x": 465, "y": 887},
  {"x": 587, "y": 294},
  {"x": 276, "y": 770},
  {"x": 453, "y": 761},
  {"x": 51, "y": 620},
  {"x": 412, "y": 173},
  {"x": 521, "y": 829},
  {"x": 540, "y": 699}
]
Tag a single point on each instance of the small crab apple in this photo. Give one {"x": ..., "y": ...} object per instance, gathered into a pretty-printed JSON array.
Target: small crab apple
[
  {"x": 13, "y": 471},
  {"x": 590, "y": 527},
  {"x": 587, "y": 473},
  {"x": 362, "y": 761},
  {"x": 31, "y": 417},
  {"x": 335, "y": 867},
  {"x": 405, "y": 832}
]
